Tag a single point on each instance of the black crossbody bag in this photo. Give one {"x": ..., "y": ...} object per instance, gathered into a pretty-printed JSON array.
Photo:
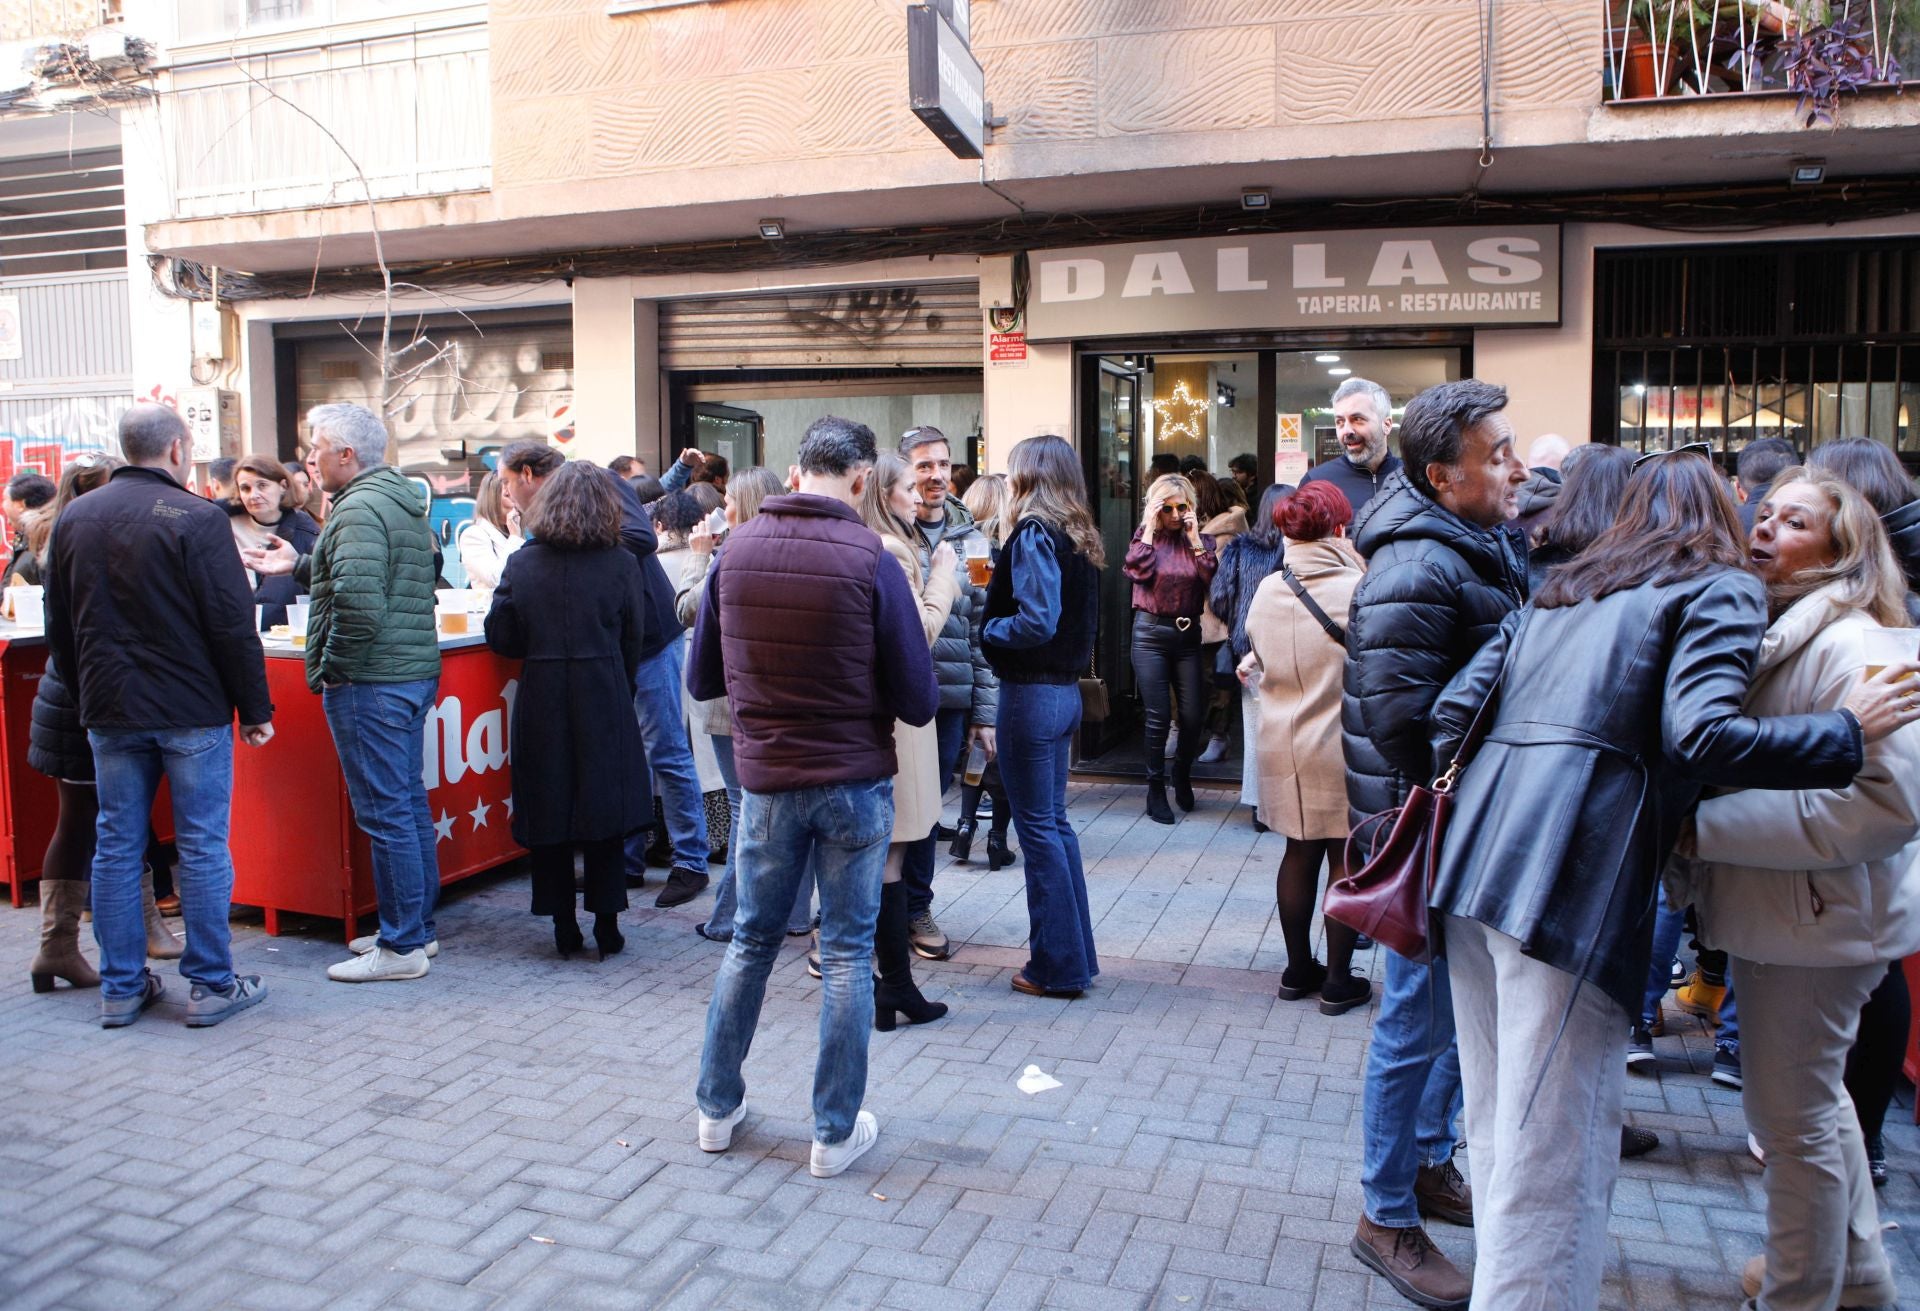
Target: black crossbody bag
[{"x": 1334, "y": 630}]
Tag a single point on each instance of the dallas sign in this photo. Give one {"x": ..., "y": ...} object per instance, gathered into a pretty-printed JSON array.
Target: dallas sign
[{"x": 1422, "y": 277}]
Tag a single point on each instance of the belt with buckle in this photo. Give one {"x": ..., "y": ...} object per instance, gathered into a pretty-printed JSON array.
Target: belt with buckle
[{"x": 1179, "y": 623}]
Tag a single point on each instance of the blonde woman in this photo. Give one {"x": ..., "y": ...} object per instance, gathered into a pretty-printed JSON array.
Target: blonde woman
[
  {"x": 1812, "y": 894},
  {"x": 1171, "y": 565},
  {"x": 888, "y": 506},
  {"x": 986, "y": 501},
  {"x": 714, "y": 719},
  {"x": 490, "y": 536}
]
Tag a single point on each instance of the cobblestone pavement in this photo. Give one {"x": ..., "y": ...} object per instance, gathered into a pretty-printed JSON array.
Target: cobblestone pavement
[{"x": 515, "y": 1130}]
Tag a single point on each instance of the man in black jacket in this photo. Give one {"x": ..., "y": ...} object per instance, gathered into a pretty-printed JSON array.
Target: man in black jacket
[
  {"x": 150, "y": 616},
  {"x": 1443, "y": 570},
  {"x": 657, "y": 688},
  {"x": 1363, "y": 420}
]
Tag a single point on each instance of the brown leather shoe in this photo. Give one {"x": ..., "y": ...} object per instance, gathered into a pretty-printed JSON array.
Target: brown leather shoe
[
  {"x": 1407, "y": 1259},
  {"x": 1440, "y": 1192}
]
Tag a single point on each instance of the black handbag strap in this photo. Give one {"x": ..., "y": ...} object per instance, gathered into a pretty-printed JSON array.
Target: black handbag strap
[{"x": 1325, "y": 621}]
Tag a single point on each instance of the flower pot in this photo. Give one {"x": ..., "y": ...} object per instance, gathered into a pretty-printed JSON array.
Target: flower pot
[{"x": 1643, "y": 75}]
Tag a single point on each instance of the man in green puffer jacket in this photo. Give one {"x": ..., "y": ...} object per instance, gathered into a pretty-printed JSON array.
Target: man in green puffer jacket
[{"x": 374, "y": 658}]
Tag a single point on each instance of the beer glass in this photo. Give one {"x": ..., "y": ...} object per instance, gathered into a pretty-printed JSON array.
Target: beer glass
[
  {"x": 1889, "y": 646},
  {"x": 979, "y": 561}
]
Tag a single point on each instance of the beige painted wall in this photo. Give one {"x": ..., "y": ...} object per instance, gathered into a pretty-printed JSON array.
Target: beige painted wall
[{"x": 708, "y": 102}]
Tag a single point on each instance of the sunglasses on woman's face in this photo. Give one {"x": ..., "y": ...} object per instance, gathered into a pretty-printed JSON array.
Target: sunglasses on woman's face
[
  {"x": 1691, "y": 448},
  {"x": 1175, "y": 508}
]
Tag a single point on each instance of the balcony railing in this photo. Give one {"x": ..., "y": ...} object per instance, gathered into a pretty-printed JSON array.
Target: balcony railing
[
  {"x": 1821, "y": 50},
  {"x": 248, "y": 134}
]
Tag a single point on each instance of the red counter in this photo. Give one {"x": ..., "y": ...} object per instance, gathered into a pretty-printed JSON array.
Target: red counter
[
  {"x": 295, "y": 845},
  {"x": 29, "y": 801}
]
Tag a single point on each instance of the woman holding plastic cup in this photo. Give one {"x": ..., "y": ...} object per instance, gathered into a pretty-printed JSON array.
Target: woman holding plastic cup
[{"x": 1812, "y": 894}]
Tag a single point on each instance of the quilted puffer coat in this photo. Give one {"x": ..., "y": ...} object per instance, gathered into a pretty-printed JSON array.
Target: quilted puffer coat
[{"x": 1436, "y": 589}]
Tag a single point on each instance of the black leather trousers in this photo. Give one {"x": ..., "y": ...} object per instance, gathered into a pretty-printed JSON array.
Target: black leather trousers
[{"x": 1167, "y": 667}]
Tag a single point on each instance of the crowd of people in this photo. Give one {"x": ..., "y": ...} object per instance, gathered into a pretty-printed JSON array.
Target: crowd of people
[{"x": 1657, "y": 702}]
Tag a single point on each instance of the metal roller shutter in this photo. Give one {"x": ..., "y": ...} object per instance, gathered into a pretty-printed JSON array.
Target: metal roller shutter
[{"x": 934, "y": 325}]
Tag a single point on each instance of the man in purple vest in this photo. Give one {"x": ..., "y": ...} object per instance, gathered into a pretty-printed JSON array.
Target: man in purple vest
[{"x": 812, "y": 633}]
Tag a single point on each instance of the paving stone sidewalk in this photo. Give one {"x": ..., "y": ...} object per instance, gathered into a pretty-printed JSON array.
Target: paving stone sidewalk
[{"x": 518, "y": 1131}]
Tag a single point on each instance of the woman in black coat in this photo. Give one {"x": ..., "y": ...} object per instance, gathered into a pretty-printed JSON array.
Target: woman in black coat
[
  {"x": 1614, "y": 698},
  {"x": 571, "y": 606}
]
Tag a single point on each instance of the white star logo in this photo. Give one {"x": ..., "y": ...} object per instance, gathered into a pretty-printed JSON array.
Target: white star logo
[
  {"x": 479, "y": 814},
  {"x": 508, "y": 803},
  {"x": 444, "y": 827}
]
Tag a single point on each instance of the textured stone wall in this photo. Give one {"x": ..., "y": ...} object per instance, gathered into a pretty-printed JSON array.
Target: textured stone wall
[{"x": 580, "y": 95}]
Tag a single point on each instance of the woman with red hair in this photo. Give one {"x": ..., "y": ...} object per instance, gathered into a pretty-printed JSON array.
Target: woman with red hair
[{"x": 1297, "y": 630}]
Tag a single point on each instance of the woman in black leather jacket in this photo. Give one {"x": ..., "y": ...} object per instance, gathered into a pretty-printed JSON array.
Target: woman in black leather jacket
[{"x": 1616, "y": 696}]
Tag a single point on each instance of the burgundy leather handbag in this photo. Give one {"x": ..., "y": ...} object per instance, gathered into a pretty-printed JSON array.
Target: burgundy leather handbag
[{"x": 1385, "y": 894}]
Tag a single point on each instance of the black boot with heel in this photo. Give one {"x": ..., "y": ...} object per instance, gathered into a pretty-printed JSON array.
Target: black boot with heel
[
  {"x": 895, "y": 995},
  {"x": 606, "y": 935},
  {"x": 566, "y": 935}
]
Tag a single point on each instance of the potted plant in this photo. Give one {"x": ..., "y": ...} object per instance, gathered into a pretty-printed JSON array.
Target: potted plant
[{"x": 1831, "y": 49}]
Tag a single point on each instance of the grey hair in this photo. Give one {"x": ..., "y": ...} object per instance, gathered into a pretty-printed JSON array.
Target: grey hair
[
  {"x": 835, "y": 447},
  {"x": 1373, "y": 391},
  {"x": 353, "y": 426},
  {"x": 146, "y": 431}
]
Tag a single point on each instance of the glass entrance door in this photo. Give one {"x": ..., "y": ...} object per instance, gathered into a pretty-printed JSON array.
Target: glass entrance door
[{"x": 1143, "y": 413}]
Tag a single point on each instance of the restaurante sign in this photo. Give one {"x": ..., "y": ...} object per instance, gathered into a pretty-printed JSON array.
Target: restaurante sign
[{"x": 1418, "y": 277}]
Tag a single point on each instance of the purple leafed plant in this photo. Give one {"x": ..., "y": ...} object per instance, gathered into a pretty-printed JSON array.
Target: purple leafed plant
[{"x": 1823, "y": 62}]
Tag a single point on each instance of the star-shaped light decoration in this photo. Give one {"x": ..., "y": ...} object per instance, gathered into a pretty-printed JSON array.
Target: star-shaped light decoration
[
  {"x": 444, "y": 827},
  {"x": 1184, "y": 403},
  {"x": 479, "y": 814}
]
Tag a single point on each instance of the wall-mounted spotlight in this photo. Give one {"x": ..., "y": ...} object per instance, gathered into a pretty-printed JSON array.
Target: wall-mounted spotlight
[
  {"x": 1223, "y": 396},
  {"x": 1808, "y": 172},
  {"x": 773, "y": 229},
  {"x": 1256, "y": 198}
]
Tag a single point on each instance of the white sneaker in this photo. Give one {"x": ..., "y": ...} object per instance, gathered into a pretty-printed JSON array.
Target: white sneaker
[
  {"x": 717, "y": 1135},
  {"x": 380, "y": 966},
  {"x": 829, "y": 1161},
  {"x": 362, "y": 945}
]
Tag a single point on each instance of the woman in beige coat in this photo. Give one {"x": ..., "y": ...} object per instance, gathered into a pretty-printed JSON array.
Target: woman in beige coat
[
  {"x": 1297, "y": 660},
  {"x": 887, "y": 506},
  {"x": 1812, "y": 894}
]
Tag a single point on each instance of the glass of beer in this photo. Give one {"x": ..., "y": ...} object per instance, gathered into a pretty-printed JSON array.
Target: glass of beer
[
  {"x": 979, "y": 561},
  {"x": 1889, "y": 646}
]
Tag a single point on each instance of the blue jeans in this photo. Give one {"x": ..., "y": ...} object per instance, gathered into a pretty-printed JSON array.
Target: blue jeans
[
  {"x": 657, "y": 690},
  {"x": 127, "y": 768},
  {"x": 1412, "y": 1090},
  {"x": 844, "y": 829},
  {"x": 379, "y": 731},
  {"x": 1729, "y": 1035},
  {"x": 1667, "y": 928},
  {"x": 916, "y": 868},
  {"x": 720, "y": 922},
  {"x": 1037, "y": 724}
]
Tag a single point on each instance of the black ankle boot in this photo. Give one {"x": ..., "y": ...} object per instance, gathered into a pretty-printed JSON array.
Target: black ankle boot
[
  {"x": 963, "y": 839},
  {"x": 1183, "y": 784},
  {"x": 1157, "y": 808},
  {"x": 566, "y": 935},
  {"x": 997, "y": 853},
  {"x": 606, "y": 934},
  {"x": 896, "y": 994}
]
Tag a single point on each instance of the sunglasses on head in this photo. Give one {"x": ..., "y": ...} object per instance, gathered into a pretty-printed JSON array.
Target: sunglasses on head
[{"x": 1691, "y": 448}]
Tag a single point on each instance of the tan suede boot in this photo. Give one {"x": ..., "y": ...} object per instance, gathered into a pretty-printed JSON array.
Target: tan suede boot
[
  {"x": 61, "y": 901},
  {"x": 161, "y": 944}
]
